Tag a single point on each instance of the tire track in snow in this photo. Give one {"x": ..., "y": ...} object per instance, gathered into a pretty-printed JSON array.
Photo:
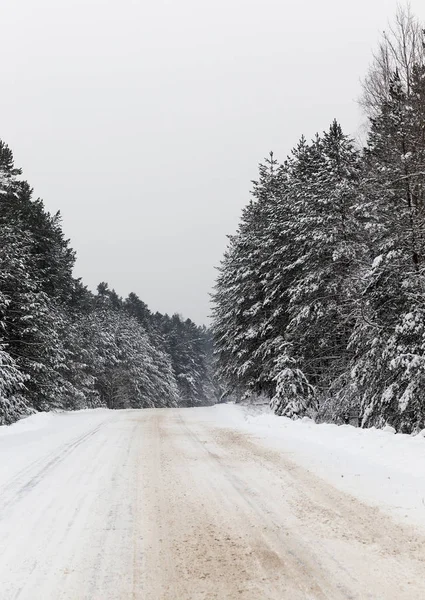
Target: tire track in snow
[{"x": 14, "y": 491}]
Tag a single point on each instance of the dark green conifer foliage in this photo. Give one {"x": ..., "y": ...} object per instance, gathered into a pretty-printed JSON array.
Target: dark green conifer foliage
[{"x": 61, "y": 347}]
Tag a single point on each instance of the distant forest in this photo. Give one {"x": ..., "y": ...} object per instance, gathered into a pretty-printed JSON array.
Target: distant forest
[
  {"x": 320, "y": 300},
  {"x": 63, "y": 347}
]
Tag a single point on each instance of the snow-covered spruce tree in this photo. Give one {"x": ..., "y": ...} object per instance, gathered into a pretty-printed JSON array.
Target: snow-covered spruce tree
[
  {"x": 12, "y": 259},
  {"x": 62, "y": 347},
  {"x": 187, "y": 346},
  {"x": 13, "y": 404},
  {"x": 26, "y": 323},
  {"x": 389, "y": 339},
  {"x": 129, "y": 372},
  {"x": 142, "y": 376},
  {"x": 276, "y": 272},
  {"x": 241, "y": 309},
  {"x": 284, "y": 298},
  {"x": 136, "y": 308},
  {"x": 328, "y": 234},
  {"x": 31, "y": 317},
  {"x": 225, "y": 319},
  {"x": 53, "y": 259}
]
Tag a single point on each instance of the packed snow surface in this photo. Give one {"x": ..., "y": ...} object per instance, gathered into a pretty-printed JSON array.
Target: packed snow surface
[
  {"x": 377, "y": 466},
  {"x": 210, "y": 503}
]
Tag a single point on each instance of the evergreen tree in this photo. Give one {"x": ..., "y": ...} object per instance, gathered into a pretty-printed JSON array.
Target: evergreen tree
[
  {"x": 63, "y": 348},
  {"x": 241, "y": 308},
  {"x": 389, "y": 340},
  {"x": 328, "y": 234}
]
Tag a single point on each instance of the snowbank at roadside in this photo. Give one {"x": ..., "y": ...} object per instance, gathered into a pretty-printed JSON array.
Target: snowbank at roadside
[
  {"x": 41, "y": 420},
  {"x": 377, "y": 466},
  {"x": 40, "y": 435},
  {"x": 31, "y": 423}
]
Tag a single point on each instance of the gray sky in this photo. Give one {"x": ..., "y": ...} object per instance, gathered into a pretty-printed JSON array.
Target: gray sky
[{"x": 143, "y": 121}]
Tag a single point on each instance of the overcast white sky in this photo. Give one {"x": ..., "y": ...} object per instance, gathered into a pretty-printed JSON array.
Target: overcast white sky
[{"x": 143, "y": 121}]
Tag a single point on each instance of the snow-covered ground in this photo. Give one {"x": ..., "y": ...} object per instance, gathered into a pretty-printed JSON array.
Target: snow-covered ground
[
  {"x": 223, "y": 502},
  {"x": 376, "y": 466}
]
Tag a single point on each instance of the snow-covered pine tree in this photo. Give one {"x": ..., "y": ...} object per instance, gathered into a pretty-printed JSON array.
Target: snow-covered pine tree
[
  {"x": 283, "y": 303},
  {"x": 32, "y": 318},
  {"x": 187, "y": 346},
  {"x": 324, "y": 233},
  {"x": 130, "y": 372},
  {"x": 12, "y": 258},
  {"x": 240, "y": 308},
  {"x": 136, "y": 308},
  {"x": 62, "y": 347},
  {"x": 13, "y": 403},
  {"x": 389, "y": 340}
]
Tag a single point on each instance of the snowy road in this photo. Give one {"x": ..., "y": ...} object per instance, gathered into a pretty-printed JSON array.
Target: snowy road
[{"x": 175, "y": 504}]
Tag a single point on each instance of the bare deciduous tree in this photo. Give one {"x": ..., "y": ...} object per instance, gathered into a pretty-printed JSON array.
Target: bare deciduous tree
[{"x": 401, "y": 47}]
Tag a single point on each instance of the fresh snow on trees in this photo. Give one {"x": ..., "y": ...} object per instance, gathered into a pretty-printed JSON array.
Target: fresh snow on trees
[
  {"x": 319, "y": 302},
  {"x": 62, "y": 347}
]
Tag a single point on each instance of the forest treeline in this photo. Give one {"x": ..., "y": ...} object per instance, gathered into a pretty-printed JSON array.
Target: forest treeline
[
  {"x": 320, "y": 298},
  {"x": 63, "y": 347}
]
